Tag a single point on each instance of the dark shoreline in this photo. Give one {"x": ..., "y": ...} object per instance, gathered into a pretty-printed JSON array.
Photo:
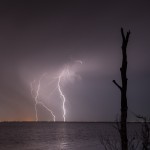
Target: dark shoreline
[{"x": 58, "y": 122}]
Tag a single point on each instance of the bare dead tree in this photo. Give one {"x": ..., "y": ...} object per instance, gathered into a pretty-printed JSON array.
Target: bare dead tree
[{"x": 123, "y": 89}]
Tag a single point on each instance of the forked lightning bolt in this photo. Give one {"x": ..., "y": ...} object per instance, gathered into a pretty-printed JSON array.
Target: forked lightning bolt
[
  {"x": 54, "y": 118},
  {"x": 62, "y": 95},
  {"x": 36, "y": 98},
  {"x": 64, "y": 74}
]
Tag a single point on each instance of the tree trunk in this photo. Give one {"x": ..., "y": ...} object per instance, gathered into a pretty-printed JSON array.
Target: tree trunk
[{"x": 123, "y": 89}]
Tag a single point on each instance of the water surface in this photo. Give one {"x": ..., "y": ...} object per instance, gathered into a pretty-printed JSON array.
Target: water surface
[{"x": 56, "y": 136}]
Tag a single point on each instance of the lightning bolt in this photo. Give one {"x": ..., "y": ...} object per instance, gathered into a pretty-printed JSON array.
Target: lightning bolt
[
  {"x": 66, "y": 73},
  {"x": 62, "y": 95},
  {"x": 54, "y": 118},
  {"x": 36, "y": 98}
]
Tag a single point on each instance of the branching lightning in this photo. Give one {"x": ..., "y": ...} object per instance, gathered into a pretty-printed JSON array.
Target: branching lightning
[
  {"x": 66, "y": 73},
  {"x": 54, "y": 118},
  {"x": 36, "y": 98}
]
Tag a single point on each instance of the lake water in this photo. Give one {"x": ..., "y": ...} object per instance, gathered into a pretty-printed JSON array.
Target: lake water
[{"x": 58, "y": 136}]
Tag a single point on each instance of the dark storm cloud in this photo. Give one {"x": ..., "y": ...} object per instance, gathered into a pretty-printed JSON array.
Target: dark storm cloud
[{"x": 39, "y": 36}]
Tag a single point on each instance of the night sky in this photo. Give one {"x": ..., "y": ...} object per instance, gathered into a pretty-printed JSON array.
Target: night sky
[{"x": 39, "y": 37}]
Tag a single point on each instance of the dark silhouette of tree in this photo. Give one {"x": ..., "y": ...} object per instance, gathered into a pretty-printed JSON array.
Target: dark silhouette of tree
[{"x": 123, "y": 89}]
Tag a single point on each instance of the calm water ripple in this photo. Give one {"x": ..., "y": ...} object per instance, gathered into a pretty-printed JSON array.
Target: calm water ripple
[{"x": 55, "y": 136}]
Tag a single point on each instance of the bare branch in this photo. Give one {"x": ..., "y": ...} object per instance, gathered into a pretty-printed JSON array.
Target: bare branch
[
  {"x": 122, "y": 33},
  {"x": 117, "y": 84},
  {"x": 127, "y": 36}
]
